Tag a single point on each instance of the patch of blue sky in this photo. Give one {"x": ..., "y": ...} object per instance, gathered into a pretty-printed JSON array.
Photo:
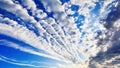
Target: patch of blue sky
[
  {"x": 32, "y": 27},
  {"x": 8, "y": 65},
  {"x": 24, "y": 56},
  {"x": 76, "y": 14},
  {"x": 20, "y": 2},
  {"x": 75, "y": 7},
  {"x": 96, "y": 9},
  {"x": 109, "y": 16},
  {"x": 29, "y": 25},
  {"x": 40, "y": 5},
  {"x": 11, "y": 16},
  {"x": 28, "y": 10},
  {"x": 64, "y": 1},
  {"x": 10, "y": 52},
  {"x": 16, "y": 54},
  {"x": 94, "y": 14},
  {"x": 19, "y": 42},
  {"x": 80, "y": 20}
]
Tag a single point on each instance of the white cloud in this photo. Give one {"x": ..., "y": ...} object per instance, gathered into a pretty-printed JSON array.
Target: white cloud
[
  {"x": 62, "y": 34},
  {"x": 18, "y": 10},
  {"x": 33, "y": 41},
  {"x": 35, "y": 11},
  {"x": 54, "y": 6},
  {"x": 16, "y": 62}
]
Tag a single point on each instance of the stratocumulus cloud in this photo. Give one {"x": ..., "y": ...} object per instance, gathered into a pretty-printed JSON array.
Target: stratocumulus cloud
[{"x": 60, "y": 33}]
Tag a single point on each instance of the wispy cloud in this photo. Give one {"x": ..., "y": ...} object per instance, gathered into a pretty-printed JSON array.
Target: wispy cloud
[
  {"x": 58, "y": 33},
  {"x": 21, "y": 63}
]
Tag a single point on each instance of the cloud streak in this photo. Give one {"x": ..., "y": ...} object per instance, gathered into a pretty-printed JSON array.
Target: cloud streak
[{"x": 76, "y": 36}]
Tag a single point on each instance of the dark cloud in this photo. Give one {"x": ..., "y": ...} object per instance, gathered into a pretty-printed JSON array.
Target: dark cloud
[
  {"x": 111, "y": 42},
  {"x": 113, "y": 16}
]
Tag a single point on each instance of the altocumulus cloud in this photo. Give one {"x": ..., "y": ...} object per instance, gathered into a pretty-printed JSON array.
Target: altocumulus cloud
[{"x": 60, "y": 34}]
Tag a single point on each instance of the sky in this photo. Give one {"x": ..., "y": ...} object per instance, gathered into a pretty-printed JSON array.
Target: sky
[{"x": 59, "y": 33}]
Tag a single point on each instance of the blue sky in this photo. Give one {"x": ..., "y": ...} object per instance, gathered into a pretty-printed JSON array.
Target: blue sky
[
  {"x": 29, "y": 39},
  {"x": 18, "y": 55}
]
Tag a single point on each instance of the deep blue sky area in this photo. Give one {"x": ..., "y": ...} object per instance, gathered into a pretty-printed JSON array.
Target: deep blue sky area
[
  {"x": 18, "y": 55},
  {"x": 8, "y": 65}
]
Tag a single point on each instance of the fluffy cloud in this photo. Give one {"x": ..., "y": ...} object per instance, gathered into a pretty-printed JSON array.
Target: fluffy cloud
[
  {"x": 109, "y": 42},
  {"x": 78, "y": 40}
]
